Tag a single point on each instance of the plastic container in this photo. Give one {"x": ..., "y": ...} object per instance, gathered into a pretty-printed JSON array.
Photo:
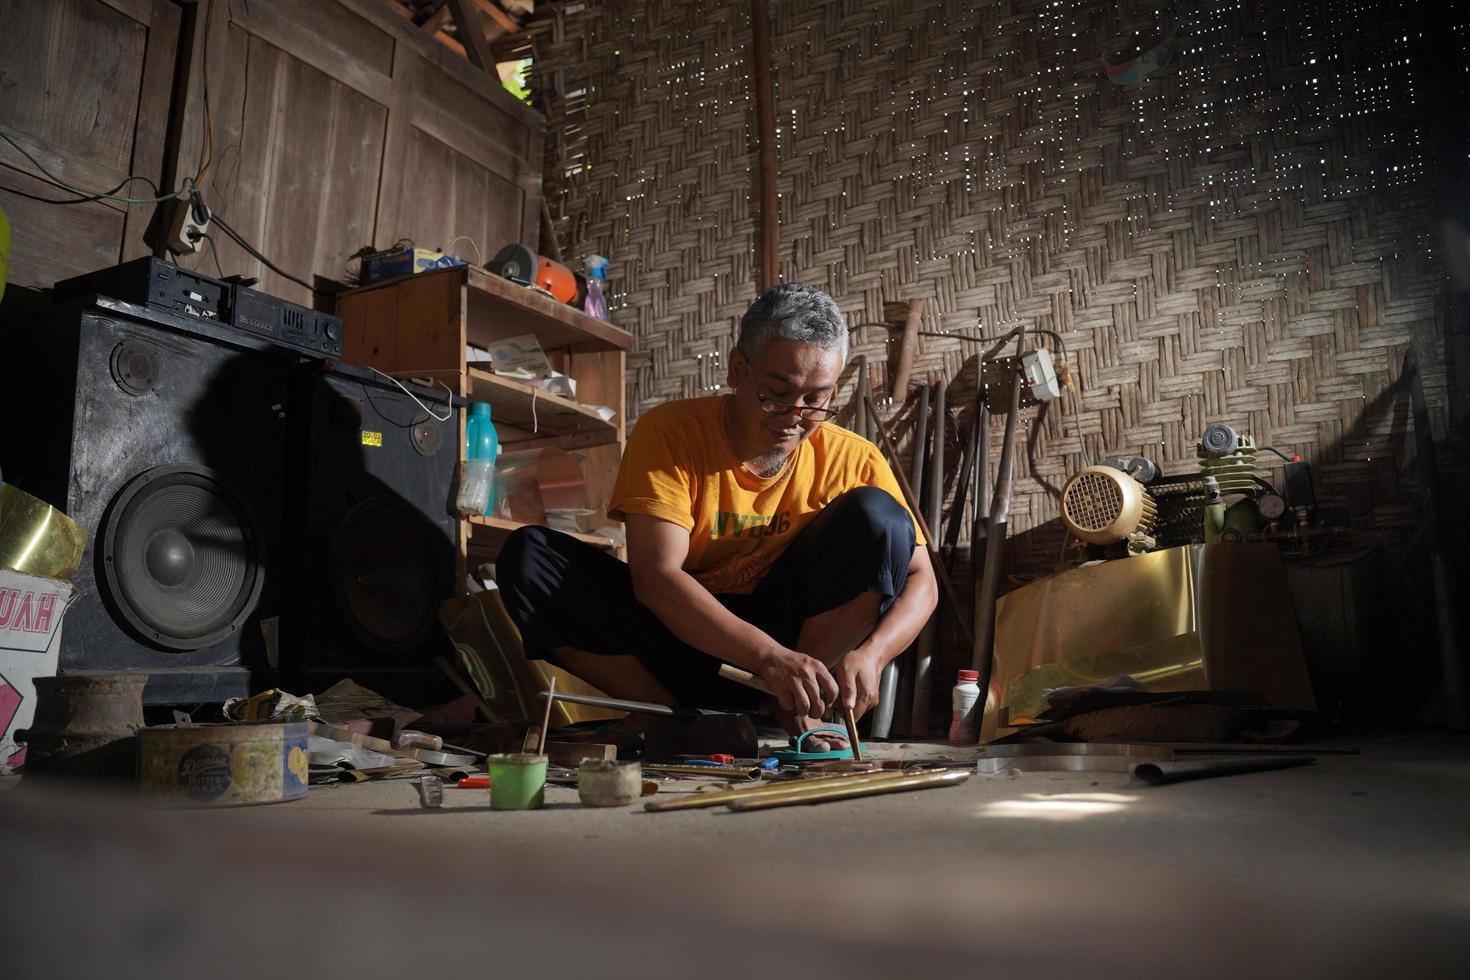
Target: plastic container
[
  {"x": 476, "y": 487},
  {"x": 596, "y": 301},
  {"x": 605, "y": 782},
  {"x": 481, "y": 443},
  {"x": 964, "y": 725},
  {"x": 517, "y": 781}
]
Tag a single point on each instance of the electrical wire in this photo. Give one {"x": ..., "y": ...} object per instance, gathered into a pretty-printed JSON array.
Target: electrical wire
[
  {"x": 972, "y": 338},
  {"x": 479, "y": 256},
  {"x": 1273, "y": 449},
  {"x": 437, "y": 418},
  {"x": 51, "y": 178},
  {"x": 206, "y": 152},
  {"x": 81, "y": 200},
  {"x": 214, "y": 253},
  {"x": 225, "y": 227}
]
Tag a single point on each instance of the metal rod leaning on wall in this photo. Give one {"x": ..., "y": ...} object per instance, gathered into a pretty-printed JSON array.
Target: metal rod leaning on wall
[
  {"x": 961, "y": 490},
  {"x": 920, "y": 441},
  {"x": 924, "y": 652},
  {"x": 903, "y": 689},
  {"x": 987, "y": 587},
  {"x": 1436, "y": 533},
  {"x": 980, "y": 515},
  {"x": 945, "y": 581}
]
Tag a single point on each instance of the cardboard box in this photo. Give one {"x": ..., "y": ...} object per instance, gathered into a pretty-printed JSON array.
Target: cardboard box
[
  {"x": 401, "y": 261},
  {"x": 31, "y": 609}
]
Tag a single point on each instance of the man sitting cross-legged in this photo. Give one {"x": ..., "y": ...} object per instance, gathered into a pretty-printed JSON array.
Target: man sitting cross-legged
[{"x": 758, "y": 535}]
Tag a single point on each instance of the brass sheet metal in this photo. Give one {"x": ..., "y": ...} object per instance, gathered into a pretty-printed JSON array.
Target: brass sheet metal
[
  {"x": 1196, "y": 617},
  {"x": 36, "y": 538}
]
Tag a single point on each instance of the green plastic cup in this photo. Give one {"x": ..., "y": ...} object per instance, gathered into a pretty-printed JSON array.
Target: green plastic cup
[{"x": 517, "y": 781}]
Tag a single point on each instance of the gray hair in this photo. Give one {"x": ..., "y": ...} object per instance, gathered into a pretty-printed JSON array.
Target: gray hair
[{"x": 793, "y": 311}]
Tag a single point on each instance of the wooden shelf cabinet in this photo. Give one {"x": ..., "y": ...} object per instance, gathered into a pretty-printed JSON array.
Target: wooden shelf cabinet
[{"x": 418, "y": 326}]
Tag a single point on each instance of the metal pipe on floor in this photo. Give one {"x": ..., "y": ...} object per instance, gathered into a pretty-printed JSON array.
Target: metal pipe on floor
[
  {"x": 1177, "y": 772},
  {"x": 924, "y": 652}
]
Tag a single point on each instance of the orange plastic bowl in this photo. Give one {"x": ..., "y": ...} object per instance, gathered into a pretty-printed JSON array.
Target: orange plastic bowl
[{"x": 556, "y": 279}]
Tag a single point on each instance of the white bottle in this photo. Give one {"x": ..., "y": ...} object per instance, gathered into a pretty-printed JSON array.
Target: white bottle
[{"x": 964, "y": 725}]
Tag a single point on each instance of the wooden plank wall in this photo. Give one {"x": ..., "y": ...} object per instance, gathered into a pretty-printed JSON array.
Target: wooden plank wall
[
  {"x": 89, "y": 120},
  {"x": 336, "y": 126}
]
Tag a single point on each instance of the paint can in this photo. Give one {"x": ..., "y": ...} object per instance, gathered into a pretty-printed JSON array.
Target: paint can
[
  {"x": 607, "y": 782},
  {"x": 517, "y": 781},
  {"x": 84, "y": 725},
  {"x": 224, "y": 765}
]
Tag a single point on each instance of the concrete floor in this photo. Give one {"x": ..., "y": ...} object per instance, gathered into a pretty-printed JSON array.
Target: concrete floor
[{"x": 1356, "y": 867}]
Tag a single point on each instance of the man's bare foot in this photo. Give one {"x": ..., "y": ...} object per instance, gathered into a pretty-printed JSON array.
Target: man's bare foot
[{"x": 825, "y": 742}]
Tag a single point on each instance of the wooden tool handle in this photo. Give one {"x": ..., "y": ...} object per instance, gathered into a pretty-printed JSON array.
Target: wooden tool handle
[{"x": 745, "y": 677}]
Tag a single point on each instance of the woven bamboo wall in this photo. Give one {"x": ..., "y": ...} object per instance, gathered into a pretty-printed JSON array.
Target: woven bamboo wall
[{"x": 1245, "y": 238}]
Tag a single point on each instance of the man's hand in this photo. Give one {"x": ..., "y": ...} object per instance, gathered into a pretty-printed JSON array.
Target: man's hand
[
  {"x": 800, "y": 683},
  {"x": 858, "y": 676}
]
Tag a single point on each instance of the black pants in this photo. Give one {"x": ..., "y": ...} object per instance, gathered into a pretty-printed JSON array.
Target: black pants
[{"x": 562, "y": 592}]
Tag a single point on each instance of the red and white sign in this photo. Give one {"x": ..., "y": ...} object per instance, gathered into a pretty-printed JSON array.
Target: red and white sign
[{"x": 31, "y": 609}]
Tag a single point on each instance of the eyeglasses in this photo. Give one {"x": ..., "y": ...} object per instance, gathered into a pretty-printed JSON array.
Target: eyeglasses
[{"x": 810, "y": 413}]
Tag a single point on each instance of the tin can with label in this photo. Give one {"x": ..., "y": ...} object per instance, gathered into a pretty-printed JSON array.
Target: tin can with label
[{"x": 224, "y": 765}]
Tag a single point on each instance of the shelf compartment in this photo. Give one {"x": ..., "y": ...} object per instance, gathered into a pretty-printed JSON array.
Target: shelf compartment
[
  {"x": 498, "y": 308},
  {"x": 557, "y": 420},
  {"x": 488, "y": 534}
]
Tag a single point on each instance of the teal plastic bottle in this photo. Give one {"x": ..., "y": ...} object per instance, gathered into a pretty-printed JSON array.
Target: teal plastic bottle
[{"x": 481, "y": 442}]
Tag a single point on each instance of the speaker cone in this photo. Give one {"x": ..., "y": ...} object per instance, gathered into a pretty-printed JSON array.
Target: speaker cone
[
  {"x": 386, "y": 575},
  {"x": 182, "y": 557}
]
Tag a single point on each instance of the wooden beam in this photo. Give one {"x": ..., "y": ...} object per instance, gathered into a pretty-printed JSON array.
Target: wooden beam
[
  {"x": 769, "y": 240},
  {"x": 452, "y": 45},
  {"x": 435, "y": 22},
  {"x": 507, "y": 24},
  {"x": 471, "y": 32},
  {"x": 908, "y": 346}
]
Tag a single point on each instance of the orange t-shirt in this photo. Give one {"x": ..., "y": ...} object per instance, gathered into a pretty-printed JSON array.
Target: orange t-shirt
[{"x": 678, "y": 466}]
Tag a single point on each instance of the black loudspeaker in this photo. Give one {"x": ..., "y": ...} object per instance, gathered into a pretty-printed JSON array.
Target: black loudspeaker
[
  {"x": 372, "y": 531},
  {"x": 166, "y": 438}
]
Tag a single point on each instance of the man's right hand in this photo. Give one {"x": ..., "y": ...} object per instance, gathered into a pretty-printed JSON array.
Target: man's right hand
[{"x": 800, "y": 683}]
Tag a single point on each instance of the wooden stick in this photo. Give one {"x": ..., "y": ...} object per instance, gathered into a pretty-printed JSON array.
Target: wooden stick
[
  {"x": 731, "y": 673},
  {"x": 546, "y": 718},
  {"x": 907, "y": 347},
  {"x": 852, "y": 735},
  {"x": 823, "y": 791},
  {"x": 933, "y": 549}
]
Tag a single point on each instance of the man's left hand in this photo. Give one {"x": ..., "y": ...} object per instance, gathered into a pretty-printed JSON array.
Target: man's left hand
[{"x": 857, "y": 677}]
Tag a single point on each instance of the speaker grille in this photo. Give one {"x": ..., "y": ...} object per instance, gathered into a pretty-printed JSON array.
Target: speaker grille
[
  {"x": 386, "y": 575},
  {"x": 182, "y": 557}
]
